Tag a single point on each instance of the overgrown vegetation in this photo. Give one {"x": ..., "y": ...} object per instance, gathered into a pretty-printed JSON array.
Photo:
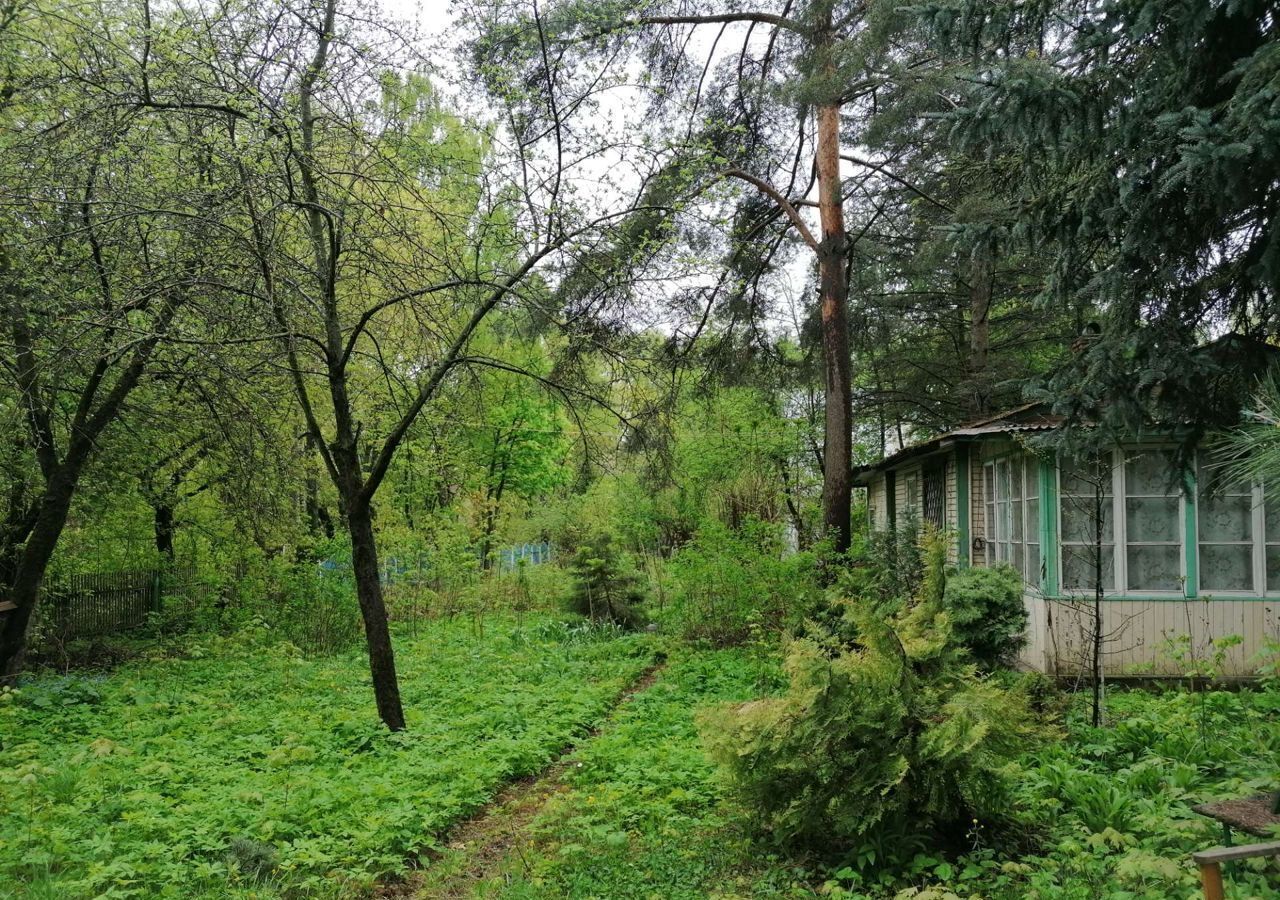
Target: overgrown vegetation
[
  {"x": 242, "y": 768},
  {"x": 453, "y": 396},
  {"x": 730, "y": 586},
  {"x": 1096, "y": 813}
]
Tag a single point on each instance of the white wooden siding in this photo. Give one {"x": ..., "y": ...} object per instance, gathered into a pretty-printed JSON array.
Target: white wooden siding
[{"x": 1140, "y": 636}]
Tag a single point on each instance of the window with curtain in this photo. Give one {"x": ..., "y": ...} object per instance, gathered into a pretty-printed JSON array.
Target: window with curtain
[
  {"x": 1238, "y": 531},
  {"x": 1012, "y": 504},
  {"x": 1153, "y": 521},
  {"x": 1226, "y": 530},
  {"x": 1122, "y": 513},
  {"x": 1088, "y": 524}
]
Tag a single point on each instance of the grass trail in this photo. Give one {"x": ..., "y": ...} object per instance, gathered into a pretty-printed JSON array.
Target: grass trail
[
  {"x": 637, "y": 812},
  {"x": 479, "y": 848}
]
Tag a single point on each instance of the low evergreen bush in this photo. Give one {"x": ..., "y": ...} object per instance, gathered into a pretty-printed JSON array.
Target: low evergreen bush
[
  {"x": 886, "y": 725},
  {"x": 605, "y": 588},
  {"x": 987, "y": 613}
]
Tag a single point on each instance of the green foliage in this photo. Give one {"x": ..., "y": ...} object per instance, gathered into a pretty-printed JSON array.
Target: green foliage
[
  {"x": 1138, "y": 132},
  {"x": 643, "y": 815},
  {"x": 887, "y": 568},
  {"x": 1100, "y": 813},
  {"x": 249, "y": 768},
  {"x": 896, "y": 731},
  {"x": 987, "y": 613},
  {"x": 605, "y": 589},
  {"x": 984, "y": 606},
  {"x": 730, "y": 586}
]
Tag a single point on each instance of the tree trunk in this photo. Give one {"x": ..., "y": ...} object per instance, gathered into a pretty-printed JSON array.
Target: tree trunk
[
  {"x": 318, "y": 518},
  {"x": 837, "y": 475},
  {"x": 981, "y": 284},
  {"x": 164, "y": 528},
  {"x": 32, "y": 564},
  {"x": 382, "y": 662}
]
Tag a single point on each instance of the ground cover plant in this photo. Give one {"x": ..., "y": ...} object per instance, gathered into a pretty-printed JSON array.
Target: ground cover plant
[
  {"x": 1103, "y": 813},
  {"x": 246, "y": 769}
]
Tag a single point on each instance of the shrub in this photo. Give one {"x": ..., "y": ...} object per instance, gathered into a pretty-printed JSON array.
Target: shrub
[
  {"x": 987, "y": 613},
  {"x": 887, "y": 568},
  {"x": 725, "y": 583},
  {"x": 604, "y": 588},
  {"x": 893, "y": 730}
]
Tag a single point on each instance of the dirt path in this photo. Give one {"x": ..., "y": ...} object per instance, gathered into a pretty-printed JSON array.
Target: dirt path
[{"x": 479, "y": 846}]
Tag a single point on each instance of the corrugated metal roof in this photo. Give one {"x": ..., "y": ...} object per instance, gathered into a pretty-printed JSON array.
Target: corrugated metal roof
[{"x": 1030, "y": 417}]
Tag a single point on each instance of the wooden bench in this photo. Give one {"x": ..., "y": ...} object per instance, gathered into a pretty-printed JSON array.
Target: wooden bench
[
  {"x": 1210, "y": 863},
  {"x": 7, "y": 606}
]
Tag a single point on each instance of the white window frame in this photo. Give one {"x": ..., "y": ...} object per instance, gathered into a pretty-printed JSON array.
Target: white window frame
[
  {"x": 997, "y": 512},
  {"x": 1260, "y": 541},
  {"x": 911, "y": 485},
  {"x": 1120, "y": 531}
]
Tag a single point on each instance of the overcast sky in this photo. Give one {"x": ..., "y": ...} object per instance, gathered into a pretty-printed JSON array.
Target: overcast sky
[{"x": 432, "y": 20}]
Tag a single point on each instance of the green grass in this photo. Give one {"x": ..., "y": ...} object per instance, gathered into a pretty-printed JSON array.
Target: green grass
[
  {"x": 645, "y": 816},
  {"x": 181, "y": 777},
  {"x": 1102, "y": 814},
  {"x": 251, "y": 771}
]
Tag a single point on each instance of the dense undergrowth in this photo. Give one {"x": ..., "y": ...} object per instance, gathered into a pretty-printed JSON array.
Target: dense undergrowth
[
  {"x": 1105, "y": 813},
  {"x": 246, "y": 769}
]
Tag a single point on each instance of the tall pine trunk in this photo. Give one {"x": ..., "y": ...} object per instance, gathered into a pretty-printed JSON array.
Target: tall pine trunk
[
  {"x": 981, "y": 285},
  {"x": 837, "y": 475}
]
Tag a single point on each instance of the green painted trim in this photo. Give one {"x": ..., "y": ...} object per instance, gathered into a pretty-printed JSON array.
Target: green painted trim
[
  {"x": 1164, "y": 598},
  {"x": 891, "y": 497},
  {"x": 964, "y": 547},
  {"x": 1049, "y": 548},
  {"x": 1190, "y": 541}
]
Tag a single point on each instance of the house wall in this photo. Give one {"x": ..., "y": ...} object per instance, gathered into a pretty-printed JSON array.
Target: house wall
[
  {"x": 1143, "y": 636},
  {"x": 1149, "y": 637},
  {"x": 977, "y": 506},
  {"x": 878, "y": 499}
]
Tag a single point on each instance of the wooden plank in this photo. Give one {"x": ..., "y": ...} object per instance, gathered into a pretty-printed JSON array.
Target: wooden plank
[
  {"x": 1245, "y": 851},
  {"x": 1211, "y": 881},
  {"x": 7, "y": 606}
]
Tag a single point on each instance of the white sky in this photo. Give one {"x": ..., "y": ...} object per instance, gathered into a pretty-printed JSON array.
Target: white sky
[{"x": 432, "y": 20}]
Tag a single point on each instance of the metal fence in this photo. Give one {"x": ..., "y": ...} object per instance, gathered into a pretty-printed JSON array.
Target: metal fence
[
  {"x": 105, "y": 602},
  {"x": 418, "y": 568},
  {"x": 529, "y": 554}
]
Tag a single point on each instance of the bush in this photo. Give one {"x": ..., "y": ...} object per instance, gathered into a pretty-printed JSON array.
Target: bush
[
  {"x": 887, "y": 568},
  {"x": 893, "y": 730},
  {"x": 604, "y": 588},
  {"x": 725, "y": 583},
  {"x": 987, "y": 613}
]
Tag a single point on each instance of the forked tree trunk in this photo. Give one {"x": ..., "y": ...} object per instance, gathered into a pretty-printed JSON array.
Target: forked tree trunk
[
  {"x": 24, "y": 591},
  {"x": 837, "y": 475},
  {"x": 373, "y": 610}
]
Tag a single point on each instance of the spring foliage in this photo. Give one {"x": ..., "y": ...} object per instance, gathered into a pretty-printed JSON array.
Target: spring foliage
[
  {"x": 731, "y": 584},
  {"x": 986, "y": 612}
]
